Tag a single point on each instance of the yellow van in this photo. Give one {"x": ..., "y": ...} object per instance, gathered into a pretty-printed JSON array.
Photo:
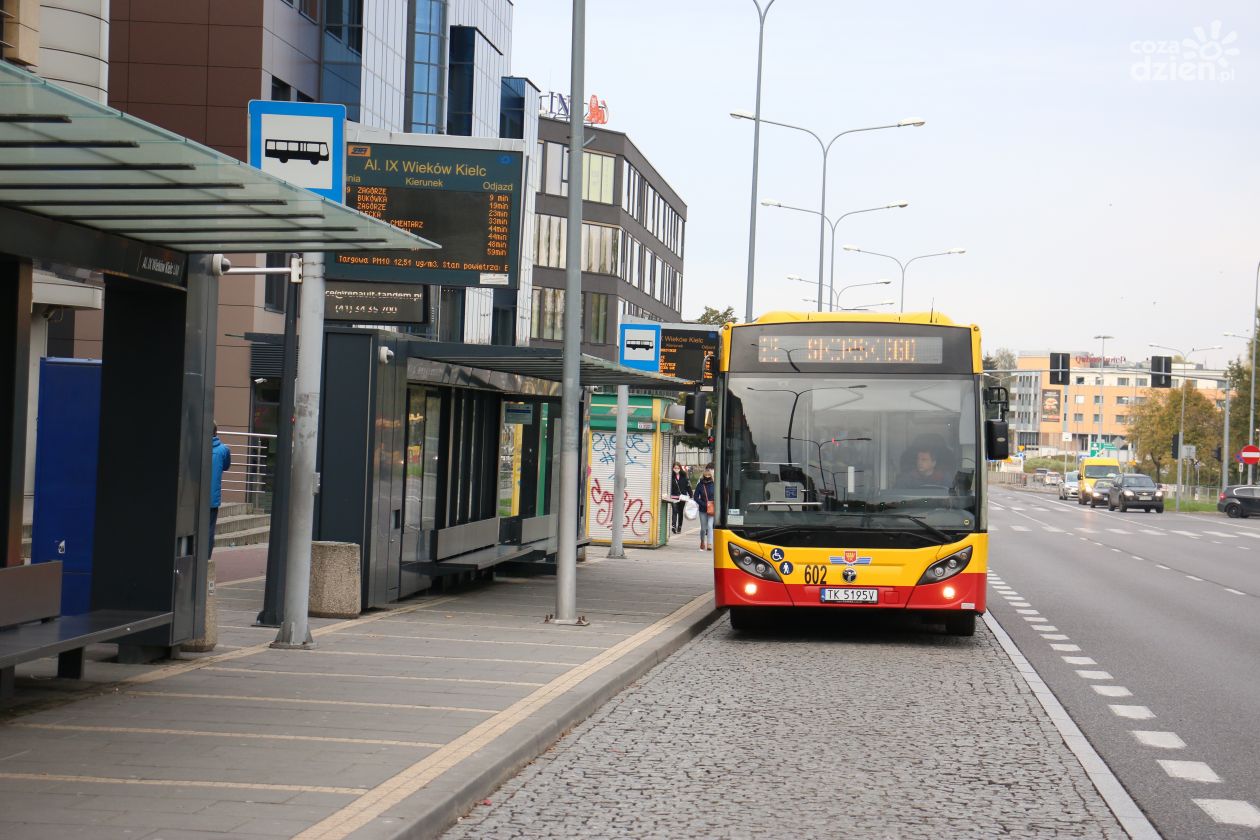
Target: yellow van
[{"x": 1093, "y": 469}]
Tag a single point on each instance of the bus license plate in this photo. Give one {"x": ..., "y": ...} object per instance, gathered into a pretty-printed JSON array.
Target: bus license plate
[{"x": 849, "y": 595}]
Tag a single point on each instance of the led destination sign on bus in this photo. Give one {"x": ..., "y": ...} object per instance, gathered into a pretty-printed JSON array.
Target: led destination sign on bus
[{"x": 797, "y": 349}]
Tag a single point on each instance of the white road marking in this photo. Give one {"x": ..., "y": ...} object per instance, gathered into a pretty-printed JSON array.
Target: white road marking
[
  {"x": 1161, "y": 566},
  {"x": 1087, "y": 530},
  {"x": 1065, "y": 648},
  {"x": 994, "y": 528},
  {"x": 1012, "y": 596},
  {"x": 1052, "y": 529},
  {"x": 1119, "y": 531},
  {"x": 1191, "y": 534},
  {"x": 1254, "y": 535},
  {"x": 1093, "y": 675},
  {"x": 1020, "y": 604},
  {"x": 1033, "y": 618},
  {"x": 1020, "y": 528},
  {"x": 1116, "y": 550},
  {"x": 1041, "y": 510},
  {"x": 1053, "y": 637},
  {"x": 1079, "y": 660},
  {"x": 1231, "y": 811},
  {"x": 1235, "y": 591},
  {"x": 1015, "y": 508},
  {"x": 1192, "y": 577},
  {"x": 1163, "y": 740},
  {"x": 1242, "y": 548},
  {"x": 1221, "y": 534},
  {"x": 996, "y": 506},
  {"x": 1046, "y": 628},
  {"x": 1131, "y": 712},
  {"x": 1191, "y": 771},
  {"x": 1152, "y": 532},
  {"x": 1027, "y": 612},
  {"x": 1113, "y": 691},
  {"x": 1135, "y": 557}
]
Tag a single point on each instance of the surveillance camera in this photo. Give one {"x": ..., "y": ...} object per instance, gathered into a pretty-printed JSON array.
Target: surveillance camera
[
  {"x": 260, "y": 380},
  {"x": 219, "y": 265},
  {"x": 387, "y": 355}
]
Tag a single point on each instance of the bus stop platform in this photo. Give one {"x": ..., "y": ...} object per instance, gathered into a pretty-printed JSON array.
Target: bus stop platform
[{"x": 396, "y": 723}]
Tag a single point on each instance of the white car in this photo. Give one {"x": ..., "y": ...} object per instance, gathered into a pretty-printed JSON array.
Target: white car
[{"x": 1070, "y": 488}]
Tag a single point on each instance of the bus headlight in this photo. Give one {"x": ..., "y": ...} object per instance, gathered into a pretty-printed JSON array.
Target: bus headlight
[
  {"x": 751, "y": 563},
  {"x": 947, "y": 567}
]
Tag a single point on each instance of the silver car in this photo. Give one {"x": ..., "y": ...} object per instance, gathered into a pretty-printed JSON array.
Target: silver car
[{"x": 1070, "y": 488}]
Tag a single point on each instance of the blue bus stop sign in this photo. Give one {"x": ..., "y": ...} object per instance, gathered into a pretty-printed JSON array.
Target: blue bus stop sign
[
  {"x": 303, "y": 143},
  {"x": 640, "y": 347}
]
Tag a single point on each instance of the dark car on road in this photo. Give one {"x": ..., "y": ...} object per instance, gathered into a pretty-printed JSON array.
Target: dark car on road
[
  {"x": 1135, "y": 491},
  {"x": 1238, "y": 502},
  {"x": 1097, "y": 495}
]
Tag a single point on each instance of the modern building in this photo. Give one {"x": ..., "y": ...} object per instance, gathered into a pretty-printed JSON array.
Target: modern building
[
  {"x": 1097, "y": 402},
  {"x": 633, "y": 235}
]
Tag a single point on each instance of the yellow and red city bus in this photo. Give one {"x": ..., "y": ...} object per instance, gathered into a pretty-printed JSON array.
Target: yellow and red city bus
[{"x": 850, "y": 453}]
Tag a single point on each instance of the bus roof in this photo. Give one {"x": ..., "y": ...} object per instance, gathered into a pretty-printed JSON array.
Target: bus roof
[{"x": 781, "y": 317}]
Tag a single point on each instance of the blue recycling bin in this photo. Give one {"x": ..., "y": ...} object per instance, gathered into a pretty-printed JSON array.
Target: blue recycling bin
[{"x": 66, "y": 447}]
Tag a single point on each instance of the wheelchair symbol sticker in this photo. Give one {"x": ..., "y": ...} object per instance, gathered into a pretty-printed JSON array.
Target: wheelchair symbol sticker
[{"x": 776, "y": 555}]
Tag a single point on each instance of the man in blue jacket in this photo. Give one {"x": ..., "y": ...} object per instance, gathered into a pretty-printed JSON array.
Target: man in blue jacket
[{"x": 220, "y": 462}]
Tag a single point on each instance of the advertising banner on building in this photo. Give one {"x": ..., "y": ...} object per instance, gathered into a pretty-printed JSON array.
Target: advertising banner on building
[
  {"x": 467, "y": 200},
  {"x": 1051, "y": 405}
]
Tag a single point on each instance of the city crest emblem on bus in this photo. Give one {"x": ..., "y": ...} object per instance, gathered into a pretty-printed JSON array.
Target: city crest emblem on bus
[{"x": 851, "y": 558}]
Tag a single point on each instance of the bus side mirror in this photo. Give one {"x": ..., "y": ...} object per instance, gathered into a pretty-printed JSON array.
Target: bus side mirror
[
  {"x": 697, "y": 409},
  {"x": 996, "y": 444}
]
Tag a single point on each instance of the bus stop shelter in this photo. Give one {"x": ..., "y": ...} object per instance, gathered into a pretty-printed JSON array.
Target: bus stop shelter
[{"x": 87, "y": 186}]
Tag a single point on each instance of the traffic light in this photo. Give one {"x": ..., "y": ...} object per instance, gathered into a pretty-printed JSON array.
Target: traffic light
[
  {"x": 1176, "y": 446},
  {"x": 1161, "y": 371},
  {"x": 1060, "y": 368}
]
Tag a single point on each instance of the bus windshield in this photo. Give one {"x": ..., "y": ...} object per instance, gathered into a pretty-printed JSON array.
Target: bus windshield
[{"x": 874, "y": 453}]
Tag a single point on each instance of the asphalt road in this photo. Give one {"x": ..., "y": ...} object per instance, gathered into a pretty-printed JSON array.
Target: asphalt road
[{"x": 1147, "y": 627}]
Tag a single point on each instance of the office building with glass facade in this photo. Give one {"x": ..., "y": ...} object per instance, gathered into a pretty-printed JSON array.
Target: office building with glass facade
[{"x": 633, "y": 233}]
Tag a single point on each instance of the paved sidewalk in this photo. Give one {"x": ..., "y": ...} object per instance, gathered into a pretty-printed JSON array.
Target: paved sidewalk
[{"x": 398, "y": 721}]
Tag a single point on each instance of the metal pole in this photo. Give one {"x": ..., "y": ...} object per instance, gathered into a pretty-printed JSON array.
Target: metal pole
[
  {"x": 1251, "y": 421},
  {"x": 903, "y": 283},
  {"x": 566, "y": 552},
  {"x": 294, "y": 630},
  {"x": 1225, "y": 446},
  {"x": 752, "y": 204},
  {"x": 1181, "y": 441},
  {"x": 822, "y": 226},
  {"x": 277, "y": 541},
  {"x": 831, "y": 282},
  {"x": 618, "y": 548},
  {"x": 1102, "y": 397}
]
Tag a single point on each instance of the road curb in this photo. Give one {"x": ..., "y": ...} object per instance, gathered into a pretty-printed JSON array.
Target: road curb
[
  {"x": 1126, "y": 811},
  {"x": 438, "y": 806}
]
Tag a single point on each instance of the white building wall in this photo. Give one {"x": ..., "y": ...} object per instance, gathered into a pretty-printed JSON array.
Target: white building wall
[
  {"x": 74, "y": 46},
  {"x": 384, "y": 85}
]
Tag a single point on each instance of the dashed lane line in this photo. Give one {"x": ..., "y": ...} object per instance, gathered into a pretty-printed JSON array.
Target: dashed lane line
[
  {"x": 1231, "y": 812},
  {"x": 1079, "y": 660},
  {"x": 1160, "y": 740},
  {"x": 1191, "y": 534},
  {"x": 1131, "y": 712},
  {"x": 1020, "y": 528},
  {"x": 1234, "y": 591},
  {"x": 1112, "y": 691},
  {"x": 1065, "y": 648},
  {"x": 1094, "y": 675},
  {"x": 1191, "y": 771}
]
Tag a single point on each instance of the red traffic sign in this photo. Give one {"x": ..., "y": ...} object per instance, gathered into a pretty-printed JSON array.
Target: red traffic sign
[{"x": 1250, "y": 454}]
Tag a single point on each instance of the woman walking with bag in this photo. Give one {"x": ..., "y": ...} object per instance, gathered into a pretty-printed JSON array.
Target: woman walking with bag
[
  {"x": 680, "y": 489},
  {"x": 706, "y": 499}
]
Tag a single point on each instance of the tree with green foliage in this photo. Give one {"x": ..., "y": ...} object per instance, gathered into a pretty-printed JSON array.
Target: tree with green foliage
[
  {"x": 1154, "y": 423},
  {"x": 1002, "y": 359},
  {"x": 717, "y": 317}
]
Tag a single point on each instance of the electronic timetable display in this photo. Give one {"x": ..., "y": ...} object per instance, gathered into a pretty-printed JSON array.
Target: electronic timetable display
[{"x": 796, "y": 349}]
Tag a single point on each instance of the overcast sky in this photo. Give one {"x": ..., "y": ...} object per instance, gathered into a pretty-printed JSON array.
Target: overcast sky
[{"x": 1093, "y": 195}]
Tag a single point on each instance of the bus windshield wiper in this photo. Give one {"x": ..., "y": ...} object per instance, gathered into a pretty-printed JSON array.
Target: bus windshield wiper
[
  {"x": 766, "y": 532},
  {"x": 932, "y": 529}
]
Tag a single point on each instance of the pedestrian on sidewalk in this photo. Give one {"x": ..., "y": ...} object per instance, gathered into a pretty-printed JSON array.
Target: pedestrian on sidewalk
[
  {"x": 680, "y": 489},
  {"x": 706, "y": 500},
  {"x": 220, "y": 462}
]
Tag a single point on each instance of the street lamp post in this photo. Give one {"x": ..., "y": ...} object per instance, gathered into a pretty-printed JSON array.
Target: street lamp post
[
  {"x": 835, "y": 296},
  {"x": 1181, "y": 425},
  {"x": 825, "y": 148},
  {"x": 831, "y": 281},
  {"x": 1102, "y": 398},
  {"x": 906, "y": 264},
  {"x": 1251, "y": 422},
  {"x": 752, "y": 211},
  {"x": 863, "y": 307}
]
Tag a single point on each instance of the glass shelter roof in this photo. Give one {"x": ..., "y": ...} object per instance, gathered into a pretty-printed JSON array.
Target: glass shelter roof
[{"x": 73, "y": 160}]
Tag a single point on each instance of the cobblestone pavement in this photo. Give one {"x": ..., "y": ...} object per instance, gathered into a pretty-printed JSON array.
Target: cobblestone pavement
[{"x": 830, "y": 732}]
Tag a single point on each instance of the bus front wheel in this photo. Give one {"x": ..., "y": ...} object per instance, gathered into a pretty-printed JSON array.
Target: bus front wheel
[{"x": 961, "y": 625}]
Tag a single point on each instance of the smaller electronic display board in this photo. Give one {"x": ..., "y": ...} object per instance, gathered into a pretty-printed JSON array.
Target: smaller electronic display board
[
  {"x": 468, "y": 201},
  {"x": 683, "y": 352},
  {"x": 375, "y": 303}
]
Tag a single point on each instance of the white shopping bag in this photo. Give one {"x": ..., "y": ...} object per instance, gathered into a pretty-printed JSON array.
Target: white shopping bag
[{"x": 691, "y": 510}]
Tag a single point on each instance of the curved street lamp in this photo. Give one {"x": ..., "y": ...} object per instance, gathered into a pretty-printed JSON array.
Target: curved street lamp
[
  {"x": 825, "y": 148},
  {"x": 831, "y": 282},
  {"x": 762, "y": 11},
  {"x": 906, "y": 264}
]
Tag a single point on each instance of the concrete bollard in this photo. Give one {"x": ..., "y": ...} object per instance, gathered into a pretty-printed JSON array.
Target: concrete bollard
[
  {"x": 210, "y": 637},
  {"x": 335, "y": 583}
]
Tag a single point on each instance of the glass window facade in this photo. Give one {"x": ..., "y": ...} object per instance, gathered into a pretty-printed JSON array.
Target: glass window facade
[
  {"x": 650, "y": 209},
  {"x": 599, "y": 174},
  {"x": 548, "y": 314},
  {"x": 426, "y": 69},
  {"x": 341, "y": 70},
  {"x": 601, "y": 245}
]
